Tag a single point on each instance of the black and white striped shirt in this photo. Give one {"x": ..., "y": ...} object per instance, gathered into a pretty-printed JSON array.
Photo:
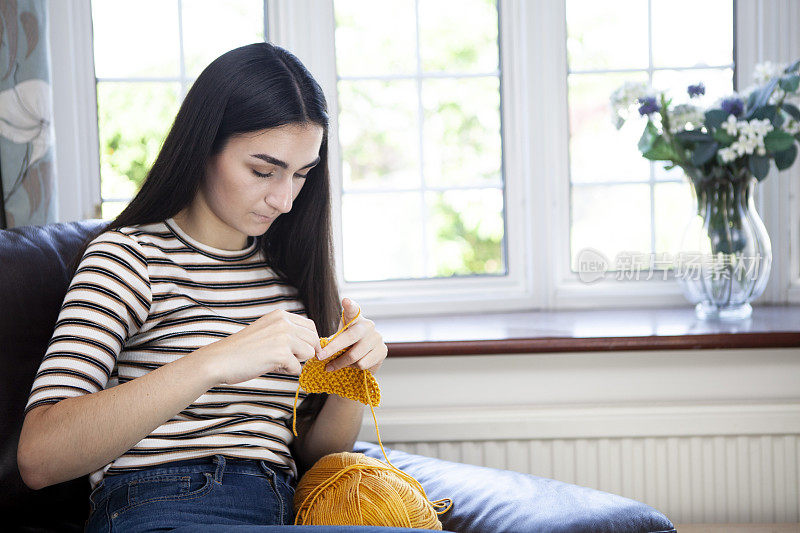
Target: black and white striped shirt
[{"x": 146, "y": 295}]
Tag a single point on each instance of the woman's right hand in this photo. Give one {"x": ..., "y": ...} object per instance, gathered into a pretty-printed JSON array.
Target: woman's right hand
[{"x": 276, "y": 342}]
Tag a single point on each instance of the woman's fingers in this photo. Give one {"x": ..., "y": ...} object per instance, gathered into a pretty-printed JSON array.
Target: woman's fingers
[
  {"x": 365, "y": 353},
  {"x": 348, "y": 337},
  {"x": 306, "y": 330}
]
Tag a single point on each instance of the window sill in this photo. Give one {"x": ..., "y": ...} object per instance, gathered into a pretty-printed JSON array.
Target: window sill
[{"x": 676, "y": 328}]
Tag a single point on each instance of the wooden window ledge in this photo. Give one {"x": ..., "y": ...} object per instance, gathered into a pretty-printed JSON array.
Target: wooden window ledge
[{"x": 677, "y": 328}]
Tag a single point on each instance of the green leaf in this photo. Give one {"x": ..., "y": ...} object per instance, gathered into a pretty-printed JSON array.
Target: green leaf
[
  {"x": 767, "y": 111},
  {"x": 723, "y": 137},
  {"x": 790, "y": 83},
  {"x": 715, "y": 117},
  {"x": 751, "y": 100},
  {"x": 792, "y": 110},
  {"x": 784, "y": 160},
  {"x": 648, "y": 138},
  {"x": 704, "y": 152},
  {"x": 777, "y": 141},
  {"x": 793, "y": 67},
  {"x": 759, "y": 166},
  {"x": 661, "y": 151},
  {"x": 761, "y": 98},
  {"x": 692, "y": 136}
]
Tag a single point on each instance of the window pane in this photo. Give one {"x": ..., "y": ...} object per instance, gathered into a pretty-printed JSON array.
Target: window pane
[
  {"x": 382, "y": 236},
  {"x": 135, "y": 39},
  {"x": 385, "y": 147},
  {"x": 379, "y": 134},
  {"x": 713, "y": 19},
  {"x": 598, "y": 151},
  {"x": 674, "y": 208},
  {"x": 465, "y": 232},
  {"x": 212, "y": 27},
  {"x": 461, "y": 140},
  {"x": 610, "y": 219},
  {"x": 110, "y": 210},
  {"x": 607, "y": 34},
  {"x": 375, "y": 37},
  {"x": 458, "y": 35},
  {"x": 133, "y": 119}
]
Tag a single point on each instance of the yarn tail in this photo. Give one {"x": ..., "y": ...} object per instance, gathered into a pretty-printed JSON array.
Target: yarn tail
[{"x": 437, "y": 504}]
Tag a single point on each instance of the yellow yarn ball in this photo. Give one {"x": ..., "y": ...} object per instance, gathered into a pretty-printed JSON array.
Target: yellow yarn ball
[{"x": 353, "y": 489}]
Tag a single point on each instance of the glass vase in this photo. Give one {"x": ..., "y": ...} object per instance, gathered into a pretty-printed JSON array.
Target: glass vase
[{"x": 725, "y": 255}]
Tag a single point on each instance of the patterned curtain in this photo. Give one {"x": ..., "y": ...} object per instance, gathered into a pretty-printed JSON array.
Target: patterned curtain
[{"x": 27, "y": 164}]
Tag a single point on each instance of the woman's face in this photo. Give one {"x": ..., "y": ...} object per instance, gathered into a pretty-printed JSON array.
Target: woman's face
[{"x": 255, "y": 179}]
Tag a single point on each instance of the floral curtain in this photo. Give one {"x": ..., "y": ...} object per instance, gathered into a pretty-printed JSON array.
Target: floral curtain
[{"x": 27, "y": 163}]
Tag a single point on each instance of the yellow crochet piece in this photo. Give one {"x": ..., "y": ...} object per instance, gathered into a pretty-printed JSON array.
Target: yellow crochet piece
[{"x": 353, "y": 383}]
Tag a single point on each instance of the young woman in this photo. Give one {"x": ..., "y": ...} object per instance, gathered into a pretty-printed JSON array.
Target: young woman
[{"x": 171, "y": 374}]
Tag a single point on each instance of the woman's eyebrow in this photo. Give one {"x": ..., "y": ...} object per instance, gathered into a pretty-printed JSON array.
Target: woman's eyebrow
[{"x": 275, "y": 161}]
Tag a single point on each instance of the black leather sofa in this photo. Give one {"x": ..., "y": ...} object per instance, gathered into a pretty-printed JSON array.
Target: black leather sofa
[{"x": 33, "y": 281}]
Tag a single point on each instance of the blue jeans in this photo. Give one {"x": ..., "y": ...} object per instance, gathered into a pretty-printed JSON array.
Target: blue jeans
[{"x": 209, "y": 490}]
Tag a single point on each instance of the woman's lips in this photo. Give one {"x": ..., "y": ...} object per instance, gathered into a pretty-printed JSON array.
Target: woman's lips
[{"x": 262, "y": 218}]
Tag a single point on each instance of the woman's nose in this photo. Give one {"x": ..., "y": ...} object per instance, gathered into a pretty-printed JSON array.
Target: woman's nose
[{"x": 281, "y": 196}]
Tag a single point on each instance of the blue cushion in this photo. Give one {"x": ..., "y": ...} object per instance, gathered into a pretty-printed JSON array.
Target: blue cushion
[{"x": 493, "y": 500}]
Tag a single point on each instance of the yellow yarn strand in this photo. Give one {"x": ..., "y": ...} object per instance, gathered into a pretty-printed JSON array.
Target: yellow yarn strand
[{"x": 345, "y": 382}]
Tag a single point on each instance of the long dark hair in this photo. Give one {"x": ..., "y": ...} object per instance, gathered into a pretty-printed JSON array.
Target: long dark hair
[{"x": 251, "y": 88}]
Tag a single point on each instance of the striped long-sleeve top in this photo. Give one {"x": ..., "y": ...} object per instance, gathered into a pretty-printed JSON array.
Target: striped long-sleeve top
[{"x": 146, "y": 295}]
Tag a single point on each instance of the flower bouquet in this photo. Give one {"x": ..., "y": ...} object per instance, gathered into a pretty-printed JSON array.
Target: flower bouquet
[{"x": 723, "y": 149}]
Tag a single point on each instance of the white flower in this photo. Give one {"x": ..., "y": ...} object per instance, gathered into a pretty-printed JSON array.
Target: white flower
[
  {"x": 761, "y": 127},
  {"x": 763, "y": 72},
  {"x": 624, "y": 101},
  {"x": 684, "y": 114},
  {"x": 751, "y": 135},
  {"x": 25, "y": 116},
  {"x": 792, "y": 127},
  {"x": 731, "y": 126},
  {"x": 776, "y": 95},
  {"x": 740, "y": 147},
  {"x": 727, "y": 155}
]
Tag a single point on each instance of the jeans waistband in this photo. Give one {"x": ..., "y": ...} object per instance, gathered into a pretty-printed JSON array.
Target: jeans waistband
[{"x": 216, "y": 464}]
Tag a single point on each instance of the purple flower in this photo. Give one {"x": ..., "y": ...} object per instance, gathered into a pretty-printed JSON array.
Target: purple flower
[
  {"x": 696, "y": 90},
  {"x": 648, "y": 106},
  {"x": 734, "y": 106}
]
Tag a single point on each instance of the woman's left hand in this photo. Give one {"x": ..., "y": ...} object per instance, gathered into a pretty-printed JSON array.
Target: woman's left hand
[{"x": 367, "y": 350}]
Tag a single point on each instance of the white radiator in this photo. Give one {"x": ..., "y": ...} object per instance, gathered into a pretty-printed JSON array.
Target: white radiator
[{"x": 689, "y": 479}]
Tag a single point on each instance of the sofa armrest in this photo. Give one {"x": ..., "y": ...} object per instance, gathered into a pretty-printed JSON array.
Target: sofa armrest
[{"x": 489, "y": 499}]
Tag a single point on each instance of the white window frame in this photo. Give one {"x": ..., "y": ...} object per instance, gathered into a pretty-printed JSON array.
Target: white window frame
[{"x": 535, "y": 144}]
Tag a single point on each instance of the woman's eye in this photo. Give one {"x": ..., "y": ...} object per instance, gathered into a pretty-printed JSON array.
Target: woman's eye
[{"x": 269, "y": 174}]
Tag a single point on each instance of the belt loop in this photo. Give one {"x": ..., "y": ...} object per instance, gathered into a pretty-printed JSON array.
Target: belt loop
[
  {"x": 267, "y": 469},
  {"x": 220, "y": 460}
]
